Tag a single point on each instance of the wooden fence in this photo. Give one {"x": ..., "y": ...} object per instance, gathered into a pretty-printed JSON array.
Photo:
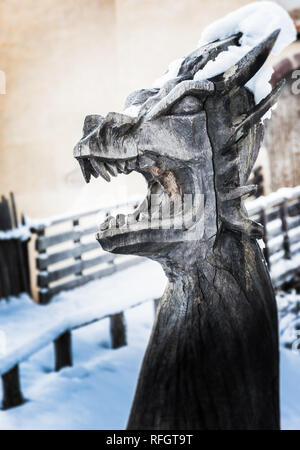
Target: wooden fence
[
  {"x": 11, "y": 385},
  {"x": 279, "y": 212},
  {"x": 67, "y": 250},
  {"x": 280, "y": 215}
]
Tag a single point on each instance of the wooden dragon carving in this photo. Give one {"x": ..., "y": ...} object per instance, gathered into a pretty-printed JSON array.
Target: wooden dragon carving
[{"x": 212, "y": 360}]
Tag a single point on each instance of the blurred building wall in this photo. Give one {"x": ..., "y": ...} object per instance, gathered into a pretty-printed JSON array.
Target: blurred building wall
[{"x": 64, "y": 59}]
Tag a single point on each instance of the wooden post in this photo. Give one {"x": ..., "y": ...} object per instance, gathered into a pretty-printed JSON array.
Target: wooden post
[
  {"x": 266, "y": 251},
  {"x": 5, "y": 224},
  {"x": 284, "y": 228},
  {"x": 76, "y": 242},
  {"x": 12, "y": 395},
  {"x": 43, "y": 297},
  {"x": 25, "y": 252},
  {"x": 118, "y": 330},
  {"x": 63, "y": 351}
]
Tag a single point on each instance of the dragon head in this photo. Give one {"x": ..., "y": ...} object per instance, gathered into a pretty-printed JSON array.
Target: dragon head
[{"x": 195, "y": 142}]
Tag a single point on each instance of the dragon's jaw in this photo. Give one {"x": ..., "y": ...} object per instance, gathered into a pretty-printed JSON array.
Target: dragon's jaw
[{"x": 164, "y": 216}]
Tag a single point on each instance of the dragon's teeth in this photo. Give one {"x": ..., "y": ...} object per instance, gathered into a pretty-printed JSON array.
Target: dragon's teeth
[
  {"x": 112, "y": 169},
  {"x": 145, "y": 161},
  {"x": 104, "y": 226},
  {"x": 120, "y": 166},
  {"x": 100, "y": 168},
  {"x": 111, "y": 222},
  {"x": 131, "y": 164},
  {"x": 84, "y": 169},
  {"x": 120, "y": 220}
]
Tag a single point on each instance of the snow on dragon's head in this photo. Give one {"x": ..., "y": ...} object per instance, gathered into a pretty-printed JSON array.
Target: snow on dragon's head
[{"x": 195, "y": 141}]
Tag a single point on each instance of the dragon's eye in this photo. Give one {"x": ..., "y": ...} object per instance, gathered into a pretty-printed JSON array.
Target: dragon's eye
[{"x": 188, "y": 105}]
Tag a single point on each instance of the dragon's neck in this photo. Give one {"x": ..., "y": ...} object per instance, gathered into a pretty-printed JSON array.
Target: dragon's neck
[{"x": 213, "y": 346}]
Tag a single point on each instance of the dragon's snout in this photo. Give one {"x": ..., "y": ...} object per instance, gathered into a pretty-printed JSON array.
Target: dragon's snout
[{"x": 104, "y": 149}]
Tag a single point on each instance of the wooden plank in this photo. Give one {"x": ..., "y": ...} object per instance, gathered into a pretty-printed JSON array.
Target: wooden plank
[
  {"x": 46, "y": 294},
  {"x": 294, "y": 236},
  {"x": 63, "y": 351},
  {"x": 294, "y": 208},
  {"x": 275, "y": 245},
  {"x": 274, "y": 229},
  {"x": 12, "y": 395},
  {"x": 118, "y": 330},
  {"x": 45, "y": 260},
  {"x": 44, "y": 278},
  {"x": 44, "y": 242},
  {"x": 272, "y": 215},
  {"x": 268, "y": 202},
  {"x": 293, "y": 222}
]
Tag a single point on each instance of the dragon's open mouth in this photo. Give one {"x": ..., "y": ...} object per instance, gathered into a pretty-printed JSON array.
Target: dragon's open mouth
[{"x": 164, "y": 208}]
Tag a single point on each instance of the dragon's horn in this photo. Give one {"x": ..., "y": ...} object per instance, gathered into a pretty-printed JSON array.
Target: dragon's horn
[
  {"x": 247, "y": 67},
  {"x": 201, "y": 56},
  {"x": 253, "y": 117}
]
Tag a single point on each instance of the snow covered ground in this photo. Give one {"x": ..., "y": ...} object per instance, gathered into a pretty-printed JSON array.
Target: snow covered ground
[
  {"x": 27, "y": 327},
  {"x": 97, "y": 391}
]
